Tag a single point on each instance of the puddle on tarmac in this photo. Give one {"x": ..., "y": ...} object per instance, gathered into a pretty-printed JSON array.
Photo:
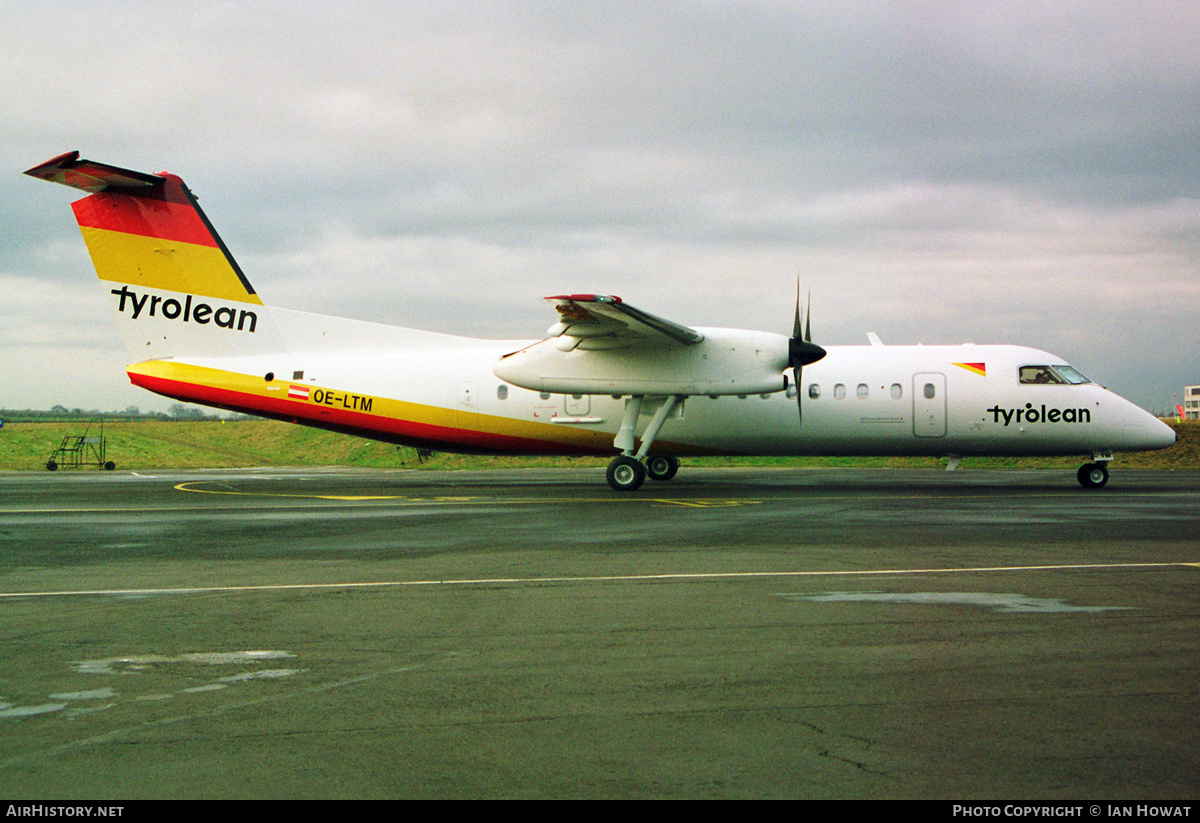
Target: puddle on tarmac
[
  {"x": 182, "y": 666},
  {"x": 986, "y": 600}
]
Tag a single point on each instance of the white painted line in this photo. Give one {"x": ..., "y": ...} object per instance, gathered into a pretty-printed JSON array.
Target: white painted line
[{"x": 613, "y": 578}]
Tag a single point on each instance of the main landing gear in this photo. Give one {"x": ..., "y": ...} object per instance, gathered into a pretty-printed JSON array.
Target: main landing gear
[
  {"x": 627, "y": 472},
  {"x": 1092, "y": 475},
  {"x": 662, "y": 467}
]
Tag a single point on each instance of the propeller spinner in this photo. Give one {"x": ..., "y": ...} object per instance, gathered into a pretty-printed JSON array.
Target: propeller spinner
[{"x": 802, "y": 351}]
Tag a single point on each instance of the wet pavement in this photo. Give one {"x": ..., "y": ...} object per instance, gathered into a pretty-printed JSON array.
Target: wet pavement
[{"x": 530, "y": 633}]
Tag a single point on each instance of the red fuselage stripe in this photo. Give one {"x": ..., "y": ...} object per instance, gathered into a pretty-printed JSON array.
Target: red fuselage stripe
[{"x": 383, "y": 428}]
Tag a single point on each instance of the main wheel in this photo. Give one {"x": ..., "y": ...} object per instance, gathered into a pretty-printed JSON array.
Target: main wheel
[
  {"x": 1092, "y": 475},
  {"x": 51, "y": 466},
  {"x": 626, "y": 474},
  {"x": 662, "y": 468}
]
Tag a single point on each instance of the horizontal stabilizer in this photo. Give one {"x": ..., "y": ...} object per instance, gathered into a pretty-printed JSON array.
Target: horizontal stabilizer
[{"x": 90, "y": 176}]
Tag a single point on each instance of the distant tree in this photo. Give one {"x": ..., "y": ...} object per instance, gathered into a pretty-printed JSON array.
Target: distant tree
[{"x": 181, "y": 412}]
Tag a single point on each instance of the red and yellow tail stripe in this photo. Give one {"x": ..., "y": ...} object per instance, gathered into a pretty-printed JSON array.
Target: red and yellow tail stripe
[
  {"x": 148, "y": 230},
  {"x": 162, "y": 244}
]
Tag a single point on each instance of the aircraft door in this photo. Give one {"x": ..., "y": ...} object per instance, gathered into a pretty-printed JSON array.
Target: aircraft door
[{"x": 929, "y": 405}]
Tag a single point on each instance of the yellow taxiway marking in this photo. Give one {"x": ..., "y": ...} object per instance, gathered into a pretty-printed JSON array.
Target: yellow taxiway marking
[
  {"x": 693, "y": 502},
  {"x": 703, "y": 503},
  {"x": 603, "y": 578},
  {"x": 186, "y": 487},
  {"x": 481, "y": 500}
]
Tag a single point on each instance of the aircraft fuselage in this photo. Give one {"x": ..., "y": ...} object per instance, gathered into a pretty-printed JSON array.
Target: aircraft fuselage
[{"x": 440, "y": 392}]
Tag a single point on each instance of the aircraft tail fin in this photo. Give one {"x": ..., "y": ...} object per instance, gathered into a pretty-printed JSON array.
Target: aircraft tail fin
[{"x": 177, "y": 291}]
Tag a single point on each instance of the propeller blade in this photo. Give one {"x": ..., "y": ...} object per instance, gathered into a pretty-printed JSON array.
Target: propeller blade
[
  {"x": 796, "y": 372},
  {"x": 807, "y": 319},
  {"x": 796, "y": 324},
  {"x": 801, "y": 350}
]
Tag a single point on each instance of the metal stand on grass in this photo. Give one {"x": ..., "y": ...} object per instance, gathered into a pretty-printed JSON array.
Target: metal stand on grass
[{"x": 79, "y": 450}]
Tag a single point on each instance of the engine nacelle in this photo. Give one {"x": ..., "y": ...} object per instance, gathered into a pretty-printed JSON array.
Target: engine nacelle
[{"x": 724, "y": 362}]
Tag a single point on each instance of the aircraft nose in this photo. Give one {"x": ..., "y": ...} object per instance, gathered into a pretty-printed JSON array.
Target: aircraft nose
[
  {"x": 1166, "y": 434},
  {"x": 1145, "y": 432}
]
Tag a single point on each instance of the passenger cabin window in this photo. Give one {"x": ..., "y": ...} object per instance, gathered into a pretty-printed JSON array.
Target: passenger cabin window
[
  {"x": 814, "y": 391},
  {"x": 1051, "y": 375},
  {"x": 863, "y": 391},
  {"x": 839, "y": 391},
  {"x": 897, "y": 391},
  {"x": 930, "y": 391},
  {"x": 502, "y": 392}
]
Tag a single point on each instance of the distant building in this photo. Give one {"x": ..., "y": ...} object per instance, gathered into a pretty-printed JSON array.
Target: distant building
[{"x": 1191, "y": 402}]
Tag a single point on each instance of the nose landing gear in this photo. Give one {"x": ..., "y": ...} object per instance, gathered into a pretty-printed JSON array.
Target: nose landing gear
[{"x": 1092, "y": 475}]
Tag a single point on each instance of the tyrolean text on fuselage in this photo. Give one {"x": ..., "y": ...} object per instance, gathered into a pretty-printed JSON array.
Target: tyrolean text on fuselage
[
  {"x": 154, "y": 305},
  {"x": 1039, "y": 414}
]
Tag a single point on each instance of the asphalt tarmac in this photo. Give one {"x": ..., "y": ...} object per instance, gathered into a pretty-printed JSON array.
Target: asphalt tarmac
[{"x": 823, "y": 633}]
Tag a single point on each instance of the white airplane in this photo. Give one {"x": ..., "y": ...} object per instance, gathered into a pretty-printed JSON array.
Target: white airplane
[{"x": 200, "y": 333}]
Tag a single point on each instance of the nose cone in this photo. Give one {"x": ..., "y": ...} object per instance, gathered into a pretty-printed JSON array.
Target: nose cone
[
  {"x": 1144, "y": 432},
  {"x": 1164, "y": 435}
]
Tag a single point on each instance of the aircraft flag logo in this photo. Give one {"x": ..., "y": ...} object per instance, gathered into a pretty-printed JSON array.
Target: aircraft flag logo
[{"x": 297, "y": 392}]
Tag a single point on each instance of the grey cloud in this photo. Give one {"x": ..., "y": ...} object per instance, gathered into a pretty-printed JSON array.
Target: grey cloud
[{"x": 1020, "y": 172}]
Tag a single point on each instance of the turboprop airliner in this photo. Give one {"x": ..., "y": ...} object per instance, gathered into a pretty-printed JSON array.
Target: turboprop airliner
[{"x": 607, "y": 379}]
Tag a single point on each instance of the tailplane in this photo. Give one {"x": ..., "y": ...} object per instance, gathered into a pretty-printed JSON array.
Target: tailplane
[{"x": 175, "y": 289}]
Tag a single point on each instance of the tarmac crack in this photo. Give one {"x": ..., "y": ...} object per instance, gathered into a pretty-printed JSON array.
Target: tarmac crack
[{"x": 857, "y": 764}]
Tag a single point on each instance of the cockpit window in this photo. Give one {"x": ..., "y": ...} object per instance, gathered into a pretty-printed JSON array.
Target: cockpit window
[
  {"x": 1039, "y": 374},
  {"x": 1071, "y": 375},
  {"x": 1060, "y": 375}
]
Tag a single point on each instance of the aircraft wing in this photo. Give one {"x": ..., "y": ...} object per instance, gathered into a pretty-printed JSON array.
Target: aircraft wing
[
  {"x": 603, "y": 345},
  {"x": 599, "y": 321}
]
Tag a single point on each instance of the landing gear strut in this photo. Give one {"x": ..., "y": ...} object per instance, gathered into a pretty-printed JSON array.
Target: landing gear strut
[
  {"x": 1092, "y": 475},
  {"x": 627, "y": 472}
]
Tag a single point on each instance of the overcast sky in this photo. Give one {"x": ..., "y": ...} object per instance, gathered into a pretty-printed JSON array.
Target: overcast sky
[{"x": 936, "y": 172}]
